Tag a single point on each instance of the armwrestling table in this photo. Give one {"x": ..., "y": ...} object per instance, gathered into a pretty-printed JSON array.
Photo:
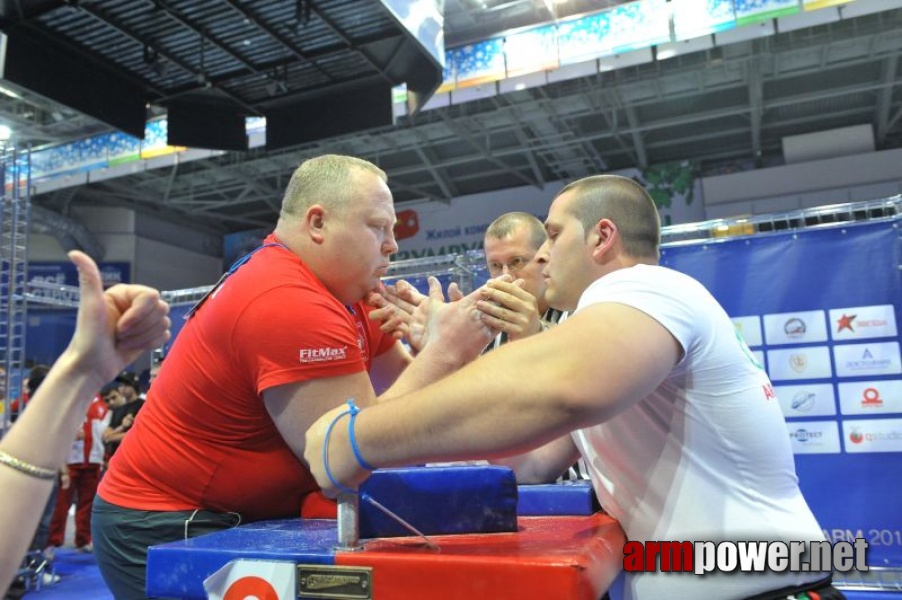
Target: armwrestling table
[{"x": 487, "y": 539}]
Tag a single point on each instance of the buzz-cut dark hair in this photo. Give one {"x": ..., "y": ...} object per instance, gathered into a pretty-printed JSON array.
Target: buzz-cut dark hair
[{"x": 623, "y": 201}]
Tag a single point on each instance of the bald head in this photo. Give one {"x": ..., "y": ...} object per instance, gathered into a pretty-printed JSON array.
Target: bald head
[{"x": 626, "y": 204}]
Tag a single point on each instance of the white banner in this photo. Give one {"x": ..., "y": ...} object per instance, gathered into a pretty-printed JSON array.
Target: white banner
[
  {"x": 810, "y": 362},
  {"x": 812, "y": 400},
  {"x": 860, "y": 322},
  {"x": 814, "y": 437},
  {"x": 795, "y": 328},
  {"x": 871, "y": 397},
  {"x": 878, "y": 435},
  {"x": 864, "y": 360}
]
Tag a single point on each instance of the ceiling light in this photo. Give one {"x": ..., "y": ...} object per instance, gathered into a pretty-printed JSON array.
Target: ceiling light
[
  {"x": 5, "y": 133},
  {"x": 10, "y": 93},
  {"x": 665, "y": 54}
]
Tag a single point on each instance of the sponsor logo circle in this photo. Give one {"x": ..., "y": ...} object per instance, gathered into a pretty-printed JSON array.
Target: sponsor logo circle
[
  {"x": 804, "y": 436},
  {"x": 794, "y": 327},
  {"x": 871, "y": 398},
  {"x": 798, "y": 362},
  {"x": 804, "y": 401},
  {"x": 250, "y": 587}
]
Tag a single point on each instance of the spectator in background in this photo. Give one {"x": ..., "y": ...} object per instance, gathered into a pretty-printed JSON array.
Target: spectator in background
[
  {"x": 123, "y": 417},
  {"x": 16, "y": 405},
  {"x": 156, "y": 365},
  {"x": 129, "y": 387},
  {"x": 111, "y": 395},
  {"x": 83, "y": 466},
  {"x": 111, "y": 331},
  {"x": 113, "y": 398}
]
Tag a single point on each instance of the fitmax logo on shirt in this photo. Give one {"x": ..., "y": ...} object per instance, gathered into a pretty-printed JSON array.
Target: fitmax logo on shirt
[{"x": 326, "y": 354}]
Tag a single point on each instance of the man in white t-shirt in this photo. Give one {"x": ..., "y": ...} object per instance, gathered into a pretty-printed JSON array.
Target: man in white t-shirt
[{"x": 677, "y": 421}]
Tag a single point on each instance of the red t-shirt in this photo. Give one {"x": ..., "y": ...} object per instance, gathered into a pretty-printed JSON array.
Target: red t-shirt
[{"x": 204, "y": 438}]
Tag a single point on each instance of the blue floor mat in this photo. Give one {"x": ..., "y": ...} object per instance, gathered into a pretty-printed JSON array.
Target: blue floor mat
[{"x": 79, "y": 579}]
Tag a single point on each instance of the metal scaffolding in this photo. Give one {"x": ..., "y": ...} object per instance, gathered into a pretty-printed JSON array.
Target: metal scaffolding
[
  {"x": 821, "y": 216},
  {"x": 15, "y": 211}
]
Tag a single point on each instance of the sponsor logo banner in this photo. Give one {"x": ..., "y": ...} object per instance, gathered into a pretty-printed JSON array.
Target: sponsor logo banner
[
  {"x": 812, "y": 362},
  {"x": 878, "y": 435},
  {"x": 870, "y": 397},
  {"x": 241, "y": 579},
  {"x": 814, "y": 437},
  {"x": 324, "y": 354},
  {"x": 750, "y": 330},
  {"x": 813, "y": 400},
  {"x": 859, "y": 322},
  {"x": 795, "y": 327},
  {"x": 862, "y": 360}
]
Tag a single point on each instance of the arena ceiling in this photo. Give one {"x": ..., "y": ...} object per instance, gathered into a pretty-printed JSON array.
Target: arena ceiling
[{"x": 726, "y": 107}]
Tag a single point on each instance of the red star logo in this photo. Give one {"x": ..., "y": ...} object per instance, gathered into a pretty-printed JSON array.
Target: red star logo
[{"x": 845, "y": 322}]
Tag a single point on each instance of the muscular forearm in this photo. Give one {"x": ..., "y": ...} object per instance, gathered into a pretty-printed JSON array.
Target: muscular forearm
[
  {"x": 433, "y": 363},
  {"x": 484, "y": 410},
  {"x": 515, "y": 398}
]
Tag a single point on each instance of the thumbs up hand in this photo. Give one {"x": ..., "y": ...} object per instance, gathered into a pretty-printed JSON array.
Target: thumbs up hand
[{"x": 114, "y": 326}]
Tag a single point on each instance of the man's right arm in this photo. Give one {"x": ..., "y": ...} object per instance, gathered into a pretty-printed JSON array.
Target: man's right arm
[
  {"x": 295, "y": 406},
  {"x": 115, "y": 433},
  {"x": 504, "y": 404}
]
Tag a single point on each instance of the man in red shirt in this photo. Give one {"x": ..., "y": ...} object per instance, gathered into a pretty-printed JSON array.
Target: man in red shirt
[
  {"x": 282, "y": 339},
  {"x": 82, "y": 469}
]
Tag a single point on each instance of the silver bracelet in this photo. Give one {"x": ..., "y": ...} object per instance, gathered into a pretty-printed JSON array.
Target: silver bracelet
[{"x": 27, "y": 468}]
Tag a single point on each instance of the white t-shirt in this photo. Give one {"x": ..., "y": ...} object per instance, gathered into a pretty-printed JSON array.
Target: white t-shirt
[{"x": 706, "y": 456}]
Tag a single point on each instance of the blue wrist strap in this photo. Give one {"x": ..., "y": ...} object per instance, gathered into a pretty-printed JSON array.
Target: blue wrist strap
[
  {"x": 335, "y": 483},
  {"x": 352, "y": 410}
]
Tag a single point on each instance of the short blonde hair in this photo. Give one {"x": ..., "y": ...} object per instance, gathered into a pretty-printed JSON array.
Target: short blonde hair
[
  {"x": 328, "y": 180},
  {"x": 623, "y": 201}
]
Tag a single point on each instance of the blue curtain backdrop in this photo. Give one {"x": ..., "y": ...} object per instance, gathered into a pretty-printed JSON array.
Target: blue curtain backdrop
[{"x": 852, "y": 495}]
